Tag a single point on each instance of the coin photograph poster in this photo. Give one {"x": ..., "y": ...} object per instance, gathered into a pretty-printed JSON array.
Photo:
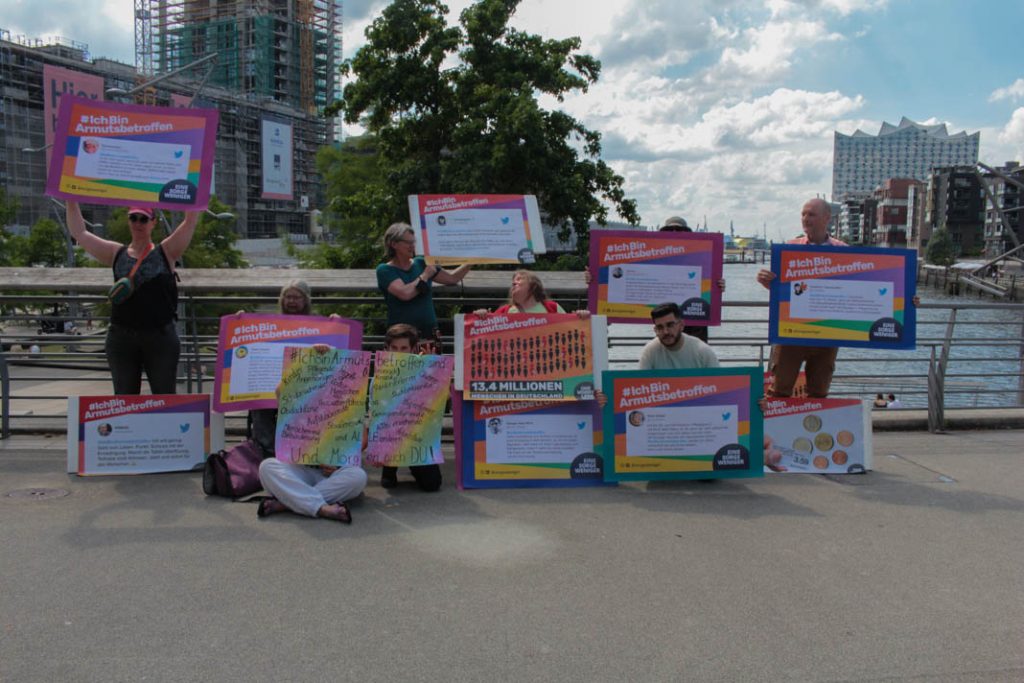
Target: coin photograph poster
[
  {"x": 530, "y": 357},
  {"x": 250, "y": 353},
  {"x": 132, "y": 155},
  {"x": 682, "y": 424},
  {"x": 632, "y": 272},
  {"x": 818, "y": 435},
  {"x": 843, "y": 296},
  {"x": 141, "y": 434},
  {"x": 477, "y": 228},
  {"x": 527, "y": 444}
]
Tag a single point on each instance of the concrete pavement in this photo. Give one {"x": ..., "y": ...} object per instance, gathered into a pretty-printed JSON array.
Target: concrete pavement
[{"x": 912, "y": 571}]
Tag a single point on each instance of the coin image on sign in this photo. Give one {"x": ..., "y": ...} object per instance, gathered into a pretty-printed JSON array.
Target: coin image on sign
[
  {"x": 812, "y": 423},
  {"x": 821, "y": 462},
  {"x": 802, "y": 445},
  {"x": 845, "y": 438},
  {"x": 824, "y": 441},
  {"x": 839, "y": 457}
]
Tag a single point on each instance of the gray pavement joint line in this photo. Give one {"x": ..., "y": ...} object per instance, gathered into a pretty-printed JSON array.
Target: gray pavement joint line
[
  {"x": 943, "y": 477},
  {"x": 407, "y": 527}
]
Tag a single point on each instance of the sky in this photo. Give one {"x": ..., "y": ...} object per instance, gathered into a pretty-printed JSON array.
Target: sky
[{"x": 725, "y": 110}]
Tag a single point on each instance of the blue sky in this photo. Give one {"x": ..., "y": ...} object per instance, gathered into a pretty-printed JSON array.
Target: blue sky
[{"x": 726, "y": 108}]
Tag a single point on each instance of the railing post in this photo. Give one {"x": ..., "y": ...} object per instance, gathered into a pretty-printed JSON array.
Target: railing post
[{"x": 5, "y": 398}]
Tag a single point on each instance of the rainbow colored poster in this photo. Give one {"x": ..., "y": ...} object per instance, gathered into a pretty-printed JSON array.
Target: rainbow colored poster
[
  {"x": 843, "y": 296},
  {"x": 141, "y": 434},
  {"x": 527, "y": 444},
  {"x": 476, "y": 228},
  {"x": 322, "y": 406},
  {"x": 406, "y": 409},
  {"x": 132, "y": 155},
  {"x": 250, "y": 353},
  {"x": 530, "y": 357},
  {"x": 682, "y": 424},
  {"x": 817, "y": 435},
  {"x": 632, "y": 272}
]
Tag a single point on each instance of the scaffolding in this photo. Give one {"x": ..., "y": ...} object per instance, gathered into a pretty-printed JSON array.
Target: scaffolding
[{"x": 287, "y": 51}]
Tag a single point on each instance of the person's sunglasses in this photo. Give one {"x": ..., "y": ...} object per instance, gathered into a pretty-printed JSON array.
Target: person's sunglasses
[{"x": 138, "y": 218}]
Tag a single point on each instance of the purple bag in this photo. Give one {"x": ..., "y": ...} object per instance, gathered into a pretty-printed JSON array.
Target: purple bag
[{"x": 235, "y": 472}]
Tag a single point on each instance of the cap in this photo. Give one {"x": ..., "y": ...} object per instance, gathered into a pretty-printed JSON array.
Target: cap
[
  {"x": 145, "y": 210},
  {"x": 676, "y": 223}
]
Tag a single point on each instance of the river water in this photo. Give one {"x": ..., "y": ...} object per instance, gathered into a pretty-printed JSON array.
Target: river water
[{"x": 984, "y": 364}]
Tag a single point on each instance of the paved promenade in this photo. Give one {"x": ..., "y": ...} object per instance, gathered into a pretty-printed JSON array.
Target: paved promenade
[{"x": 913, "y": 571}]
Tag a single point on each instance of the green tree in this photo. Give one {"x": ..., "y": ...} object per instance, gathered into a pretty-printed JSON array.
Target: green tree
[
  {"x": 10, "y": 245},
  {"x": 941, "y": 251},
  {"x": 455, "y": 109}
]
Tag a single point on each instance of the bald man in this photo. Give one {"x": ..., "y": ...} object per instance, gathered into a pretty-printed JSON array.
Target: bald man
[{"x": 819, "y": 362}]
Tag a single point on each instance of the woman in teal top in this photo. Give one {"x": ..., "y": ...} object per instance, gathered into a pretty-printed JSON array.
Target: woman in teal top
[{"x": 405, "y": 281}]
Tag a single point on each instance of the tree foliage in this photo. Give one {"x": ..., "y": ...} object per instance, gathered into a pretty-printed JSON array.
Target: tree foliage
[
  {"x": 941, "y": 251},
  {"x": 455, "y": 109}
]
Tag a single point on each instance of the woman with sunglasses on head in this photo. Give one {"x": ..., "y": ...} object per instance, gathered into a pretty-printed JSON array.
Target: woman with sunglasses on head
[
  {"x": 141, "y": 335},
  {"x": 405, "y": 281}
]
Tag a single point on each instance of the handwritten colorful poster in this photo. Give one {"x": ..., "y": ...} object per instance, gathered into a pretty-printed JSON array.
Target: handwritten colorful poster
[
  {"x": 477, "y": 228},
  {"x": 530, "y": 357},
  {"x": 132, "y": 155},
  {"x": 527, "y": 444},
  {"x": 817, "y": 435},
  {"x": 322, "y": 407},
  {"x": 250, "y": 353},
  {"x": 407, "y": 408},
  {"x": 682, "y": 424},
  {"x": 843, "y": 296},
  {"x": 632, "y": 272},
  {"x": 141, "y": 434}
]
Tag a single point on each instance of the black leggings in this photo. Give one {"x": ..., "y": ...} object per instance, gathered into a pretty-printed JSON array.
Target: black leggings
[
  {"x": 428, "y": 477},
  {"x": 129, "y": 352}
]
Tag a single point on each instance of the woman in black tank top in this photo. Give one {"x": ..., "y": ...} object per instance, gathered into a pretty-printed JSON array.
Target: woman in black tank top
[{"x": 141, "y": 336}]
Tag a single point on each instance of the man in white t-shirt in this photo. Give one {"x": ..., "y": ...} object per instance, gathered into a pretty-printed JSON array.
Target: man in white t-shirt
[{"x": 672, "y": 349}]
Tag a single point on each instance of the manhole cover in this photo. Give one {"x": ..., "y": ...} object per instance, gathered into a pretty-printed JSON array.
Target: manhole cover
[{"x": 37, "y": 494}]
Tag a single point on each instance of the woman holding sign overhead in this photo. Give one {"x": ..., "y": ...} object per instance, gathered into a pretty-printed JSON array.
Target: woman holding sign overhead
[
  {"x": 405, "y": 281},
  {"x": 144, "y": 297}
]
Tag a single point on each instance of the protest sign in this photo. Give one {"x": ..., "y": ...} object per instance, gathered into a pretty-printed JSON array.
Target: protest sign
[
  {"x": 843, "y": 296},
  {"x": 527, "y": 444},
  {"x": 476, "y": 228},
  {"x": 406, "y": 409},
  {"x": 528, "y": 357},
  {"x": 57, "y": 82},
  {"x": 141, "y": 434},
  {"x": 819, "y": 435},
  {"x": 250, "y": 353},
  {"x": 322, "y": 406},
  {"x": 632, "y": 272},
  {"x": 682, "y": 424},
  {"x": 132, "y": 155}
]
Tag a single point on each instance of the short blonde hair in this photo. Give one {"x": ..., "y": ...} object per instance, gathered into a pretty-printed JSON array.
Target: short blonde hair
[
  {"x": 533, "y": 285},
  {"x": 394, "y": 233}
]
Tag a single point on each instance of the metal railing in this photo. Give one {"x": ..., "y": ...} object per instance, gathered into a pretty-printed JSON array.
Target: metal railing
[{"x": 969, "y": 355}]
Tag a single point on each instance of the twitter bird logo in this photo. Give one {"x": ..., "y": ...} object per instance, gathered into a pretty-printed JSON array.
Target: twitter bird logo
[
  {"x": 581, "y": 425},
  {"x": 691, "y": 275},
  {"x": 177, "y": 155},
  {"x": 726, "y": 416},
  {"x": 184, "y": 428},
  {"x": 504, "y": 220},
  {"x": 883, "y": 290}
]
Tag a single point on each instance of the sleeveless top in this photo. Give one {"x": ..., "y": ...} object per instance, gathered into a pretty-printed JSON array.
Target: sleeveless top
[{"x": 154, "y": 300}]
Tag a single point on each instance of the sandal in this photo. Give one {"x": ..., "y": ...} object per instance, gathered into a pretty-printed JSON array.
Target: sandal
[
  {"x": 339, "y": 512},
  {"x": 270, "y": 506}
]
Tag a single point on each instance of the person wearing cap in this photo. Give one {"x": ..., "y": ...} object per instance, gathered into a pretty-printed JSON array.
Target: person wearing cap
[
  {"x": 141, "y": 335},
  {"x": 678, "y": 224},
  {"x": 406, "y": 280}
]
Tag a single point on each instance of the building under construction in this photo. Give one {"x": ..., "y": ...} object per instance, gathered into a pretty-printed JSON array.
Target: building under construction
[{"x": 276, "y": 61}]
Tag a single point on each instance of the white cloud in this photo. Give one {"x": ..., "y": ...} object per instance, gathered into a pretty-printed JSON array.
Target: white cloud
[
  {"x": 770, "y": 49},
  {"x": 1009, "y": 141},
  {"x": 1014, "y": 92}
]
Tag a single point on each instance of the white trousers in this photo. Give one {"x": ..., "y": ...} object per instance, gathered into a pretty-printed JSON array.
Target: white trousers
[{"x": 305, "y": 489}]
